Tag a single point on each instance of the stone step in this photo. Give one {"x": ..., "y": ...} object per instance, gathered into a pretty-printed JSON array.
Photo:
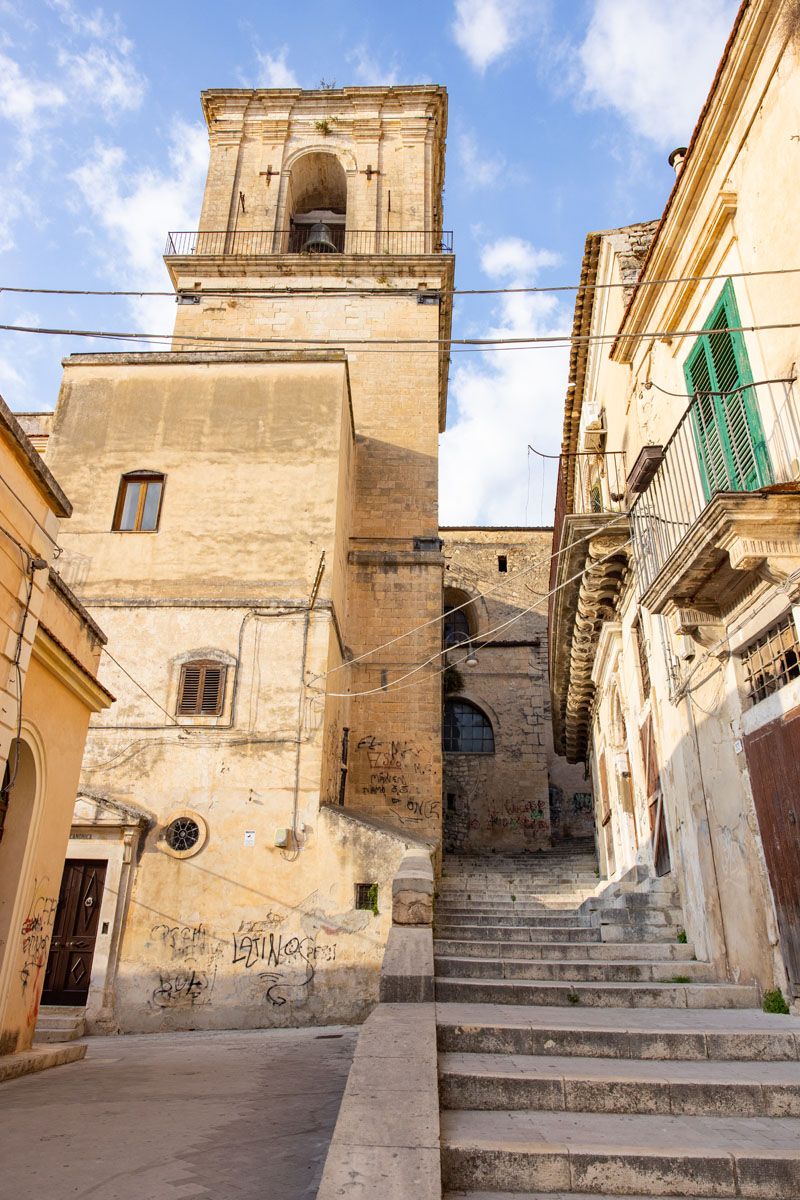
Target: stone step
[
  {"x": 544, "y": 1196},
  {"x": 595, "y": 951},
  {"x": 622, "y": 1154},
  {"x": 707, "y": 1088},
  {"x": 60, "y": 1023},
  {"x": 617, "y": 971},
  {"x": 509, "y": 905},
  {"x": 520, "y": 933},
  {"x": 653, "y": 914},
  {"x": 533, "y": 920},
  {"x": 639, "y": 931},
  {"x": 718, "y": 1035},
  {"x": 595, "y": 995}
]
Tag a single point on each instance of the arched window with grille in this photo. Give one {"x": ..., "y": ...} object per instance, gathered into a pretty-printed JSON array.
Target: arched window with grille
[
  {"x": 466, "y": 730},
  {"x": 456, "y": 626}
]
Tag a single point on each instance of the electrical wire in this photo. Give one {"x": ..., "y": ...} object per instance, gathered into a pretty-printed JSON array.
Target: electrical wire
[
  {"x": 486, "y": 639},
  {"x": 487, "y": 344},
  {"x": 511, "y": 578},
  {"x": 389, "y": 291},
  {"x": 143, "y": 689},
  {"x": 651, "y": 383}
]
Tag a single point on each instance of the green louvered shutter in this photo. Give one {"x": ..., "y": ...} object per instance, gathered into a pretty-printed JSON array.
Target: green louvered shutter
[{"x": 728, "y": 434}]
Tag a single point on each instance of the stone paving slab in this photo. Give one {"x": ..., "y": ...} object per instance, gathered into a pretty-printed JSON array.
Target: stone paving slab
[{"x": 191, "y": 1116}]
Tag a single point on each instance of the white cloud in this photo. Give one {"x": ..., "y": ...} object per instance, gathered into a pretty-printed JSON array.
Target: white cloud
[
  {"x": 367, "y": 70},
  {"x": 25, "y": 100},
  {"x": 135, "y": 208},
  {"x": 516, "y": 260},
  {"x": 649, "y": 62},
  {"x": 487, "y": 29},
  {"x": 479, "y": 169},
  {"x": 274, "y": 71},
  {"x": 89, "y": 24},
  {"x": 504, "y": 400},
  {"x": 108, "y": 79}
]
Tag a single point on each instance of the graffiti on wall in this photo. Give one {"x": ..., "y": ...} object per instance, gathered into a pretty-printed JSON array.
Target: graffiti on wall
[
  {"x": 282, "y": 966},
  {"x": 394, "y": 772},
  {"x": 183, "y": 989},
  {"x": 35, "y": 933}
]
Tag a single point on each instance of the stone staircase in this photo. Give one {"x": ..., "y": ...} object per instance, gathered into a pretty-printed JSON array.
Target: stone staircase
[
  {"x": 584, "y": 1051},
  {"x": 59, "y": 1023}
]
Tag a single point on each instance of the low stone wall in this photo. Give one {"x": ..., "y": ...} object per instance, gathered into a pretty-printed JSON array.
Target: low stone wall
[{"x": 386, "y": 1140}]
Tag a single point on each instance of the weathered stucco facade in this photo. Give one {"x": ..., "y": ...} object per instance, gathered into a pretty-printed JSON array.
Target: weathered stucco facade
[
  {"x": 674, "y": 657},
  {"x": 49, "y": 657},
  {"x": 503, "y": 798},
  {"x": 295, "y": 531}
]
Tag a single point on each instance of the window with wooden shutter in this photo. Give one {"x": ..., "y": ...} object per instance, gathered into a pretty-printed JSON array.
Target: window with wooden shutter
[
  {"x": 202, "y": 689},
  {"x": 727, "y": 427}
]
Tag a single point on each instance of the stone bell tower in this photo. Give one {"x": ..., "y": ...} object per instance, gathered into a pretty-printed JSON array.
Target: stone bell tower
[{"x": 321, "y": 229}]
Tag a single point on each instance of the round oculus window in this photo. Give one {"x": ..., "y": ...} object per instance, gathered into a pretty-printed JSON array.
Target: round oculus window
[
  {"x": 185, "y": 834},
  {"x": 182, "y": 834}
]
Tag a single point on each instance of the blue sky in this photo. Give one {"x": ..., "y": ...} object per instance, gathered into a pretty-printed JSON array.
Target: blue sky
[{"x": 562, "y": 113}]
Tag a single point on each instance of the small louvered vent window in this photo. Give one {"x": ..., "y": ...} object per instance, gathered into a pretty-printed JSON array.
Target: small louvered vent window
[{"x": 202, "y": 689}]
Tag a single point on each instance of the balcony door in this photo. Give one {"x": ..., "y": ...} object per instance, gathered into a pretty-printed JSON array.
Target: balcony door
[{"x": 730, "y": 441}]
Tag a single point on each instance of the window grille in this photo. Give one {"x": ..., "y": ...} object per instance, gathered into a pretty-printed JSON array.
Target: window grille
[
  {"x": 201, "y": 689},
  {"x": 182, "y": 834},
  {"x": 772, "y": 661},
  {"x": 456, "y": 626},
  {"x": 367, "y": 896},
  {"x": 138, "y": 503},
  {"x": 466, "y": 730}
]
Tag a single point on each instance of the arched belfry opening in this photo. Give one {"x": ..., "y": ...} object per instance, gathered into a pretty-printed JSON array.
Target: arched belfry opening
[{"x": 316, "y": 204}]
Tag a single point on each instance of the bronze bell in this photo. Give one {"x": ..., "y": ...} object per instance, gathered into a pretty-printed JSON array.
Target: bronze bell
[{"x": 319, "y": 240}]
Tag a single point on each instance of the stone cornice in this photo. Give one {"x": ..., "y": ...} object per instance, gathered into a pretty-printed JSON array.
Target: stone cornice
[
  {"x": 592, "y": 567},
  {"x": 61, "y": 663}
]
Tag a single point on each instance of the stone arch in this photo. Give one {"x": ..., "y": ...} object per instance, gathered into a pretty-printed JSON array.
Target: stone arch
[
  {"x": 474, "y": 608},
  {"x": 316, "y": 188},
  {"x": 19, "y": 844}
]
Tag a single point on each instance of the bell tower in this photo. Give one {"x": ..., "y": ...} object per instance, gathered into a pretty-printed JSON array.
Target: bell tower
[{"x": 321, "y": 229}]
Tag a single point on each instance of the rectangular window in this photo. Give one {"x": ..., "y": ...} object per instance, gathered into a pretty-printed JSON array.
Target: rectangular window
[
  {"x": 138, "y": 503},
  {"x": 641, "y": 650},
  {"x": 502, "y": 563},
  {"x": 202, "y": 689},
  {"x": 727, "y": 427},
  {"x": 772, "y": 661}
]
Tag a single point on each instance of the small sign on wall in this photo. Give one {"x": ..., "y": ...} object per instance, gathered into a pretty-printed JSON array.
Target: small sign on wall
[{"x": 249, "y": 837}]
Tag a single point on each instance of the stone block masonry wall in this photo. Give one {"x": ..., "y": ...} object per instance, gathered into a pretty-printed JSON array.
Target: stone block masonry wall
[{"x": 501, "y": 801}]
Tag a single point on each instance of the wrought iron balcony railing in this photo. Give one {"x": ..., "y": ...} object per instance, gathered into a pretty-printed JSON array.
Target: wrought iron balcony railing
[
  {"x": 249, "y": 242},
  {"x": 738, "y": 441}
]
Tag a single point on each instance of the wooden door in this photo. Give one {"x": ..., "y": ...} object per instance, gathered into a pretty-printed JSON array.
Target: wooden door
[
  {"x": 773, "y": 758},
  {"x": 69, "y": 966}
]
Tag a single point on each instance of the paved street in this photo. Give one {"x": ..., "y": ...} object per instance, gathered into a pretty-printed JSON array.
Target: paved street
[{"x": 191, "y": 1116}]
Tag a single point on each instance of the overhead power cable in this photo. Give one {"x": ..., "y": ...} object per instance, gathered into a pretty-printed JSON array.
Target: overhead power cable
[
  {"x": 388, "y": 291},
  {"x": 208, "y": 341},
  {"x": 398, "y": 685},
  {"x": 510, "y": 579}
]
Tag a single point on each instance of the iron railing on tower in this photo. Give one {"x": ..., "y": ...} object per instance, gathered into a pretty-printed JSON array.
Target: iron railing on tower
[{"x": 256, "y": 242}]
